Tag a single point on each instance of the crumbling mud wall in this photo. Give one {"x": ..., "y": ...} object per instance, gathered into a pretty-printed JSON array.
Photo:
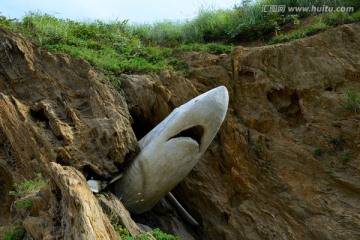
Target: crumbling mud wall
[{"x": 58, "y": 118}]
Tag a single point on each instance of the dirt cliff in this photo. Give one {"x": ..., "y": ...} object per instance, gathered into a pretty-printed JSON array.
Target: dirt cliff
[
  {"x": 58, "y": 119},
  {"x": 284, "y": 165}
]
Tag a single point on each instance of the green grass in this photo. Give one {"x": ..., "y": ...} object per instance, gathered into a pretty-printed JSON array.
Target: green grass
[
  {"x": 117, "y": 47},
  {"x": 352, "y": 101},
  {"x": 320, "y": 23},
  {"x": 156, "y": 233},
  {"x": 113, "y": 47},
  {"x": 311, "y": 30},
  {"x": 328, "y": 170}
]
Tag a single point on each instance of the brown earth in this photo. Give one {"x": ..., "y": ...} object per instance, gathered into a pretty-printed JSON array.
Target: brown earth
[{"x": 284, "y": 165}]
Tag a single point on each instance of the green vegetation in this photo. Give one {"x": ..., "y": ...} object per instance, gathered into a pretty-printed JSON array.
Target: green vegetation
[
  {"x": 156, "y": 233},
  {"x": 12, "y": 232},
  {"x": 119, "y": 47},
  {"x": 352, "y": 101},
  {"x": 319, "y": 23},
  {"x": 346, "y": 157},
  {"x": 328, "y": 170},
  {"x": 28, "y": 186},
  {"x": 110, "y": 47},
  {"x": 319, "y": 151},
  {"x": 257, "y": 149},
  {"x": 25, "y": 188},
  {"x": 26, "y": 203},
  {"x": 337, "y": 141}
]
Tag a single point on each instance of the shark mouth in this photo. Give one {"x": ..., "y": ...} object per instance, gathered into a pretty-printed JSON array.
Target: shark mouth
[{"x": 196, "y": 133}]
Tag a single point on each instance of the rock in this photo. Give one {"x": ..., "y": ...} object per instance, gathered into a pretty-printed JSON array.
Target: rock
[
  {"x": 117, "y": 213},
  {"x": 56, "y": 109},
  {"x": 82, "y": 218},
  {"x": 59, "y": 106}
]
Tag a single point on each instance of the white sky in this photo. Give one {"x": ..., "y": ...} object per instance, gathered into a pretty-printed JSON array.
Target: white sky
[{"x": 137, "y": 11}]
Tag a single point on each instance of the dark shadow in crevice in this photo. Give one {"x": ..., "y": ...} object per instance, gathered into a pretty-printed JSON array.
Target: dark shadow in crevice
[
  {"x": 287, "y": 103},
  {"x": 39, "y": 115}
]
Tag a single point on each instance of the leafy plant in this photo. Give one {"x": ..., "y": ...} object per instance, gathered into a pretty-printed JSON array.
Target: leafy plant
[
  {"x": 26, "y": 203},
  {"x": 157, "y": 233},
  {"x": 28, "y": 186},
  {"x": 352, "y": 101},
  {"x": 123, "y": 232},
  {"x": 5, "y": 22}
]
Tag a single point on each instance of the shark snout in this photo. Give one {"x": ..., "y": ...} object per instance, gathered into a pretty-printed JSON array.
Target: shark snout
[{"x": 201, "y": 118}]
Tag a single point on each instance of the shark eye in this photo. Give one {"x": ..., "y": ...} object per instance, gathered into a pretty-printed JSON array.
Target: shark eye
[{"x": 196, "y": 133}]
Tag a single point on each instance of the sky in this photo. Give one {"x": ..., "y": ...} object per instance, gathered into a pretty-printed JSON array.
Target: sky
[{"x": 136, "y": 11}]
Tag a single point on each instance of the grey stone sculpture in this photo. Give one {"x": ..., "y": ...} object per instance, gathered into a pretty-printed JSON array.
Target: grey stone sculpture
[{"x": 171, "y": 150}]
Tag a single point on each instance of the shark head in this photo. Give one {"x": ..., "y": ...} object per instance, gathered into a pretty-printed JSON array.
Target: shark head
[{"x": 171, "y": 150}]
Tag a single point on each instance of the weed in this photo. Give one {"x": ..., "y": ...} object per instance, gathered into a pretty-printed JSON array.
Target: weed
[
  {"x": 28, "y": 186},
  {"x": 337, "y": 141},
  {"x": 337, "y": 18},
  {"x": 310, "y": 30},
  {"x": 123, "y": 232},
  {"x": 26, "y": 203},
  {"x": 13, "y": 232},
  {"x": 352, "y": 101},
  {"x": 5, "y": 22},
  {"x": 319, "y": 151},
  {"x": 328, "y": 170},
  {"x": 320, "y": 23},
  {"x": 257, "y": 150},
  {"x": 346, "y": 158},
  {"x": 213, "y": 48},
  {"x": 156, "y": 233},
  {"x": 117, "y": 47}
]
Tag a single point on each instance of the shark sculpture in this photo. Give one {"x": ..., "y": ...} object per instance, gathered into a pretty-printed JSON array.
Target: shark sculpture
[{"x": 171, "y": 150}]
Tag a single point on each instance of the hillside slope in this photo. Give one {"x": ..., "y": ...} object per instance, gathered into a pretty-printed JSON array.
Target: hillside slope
[{"x": 284, "y": 165}]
